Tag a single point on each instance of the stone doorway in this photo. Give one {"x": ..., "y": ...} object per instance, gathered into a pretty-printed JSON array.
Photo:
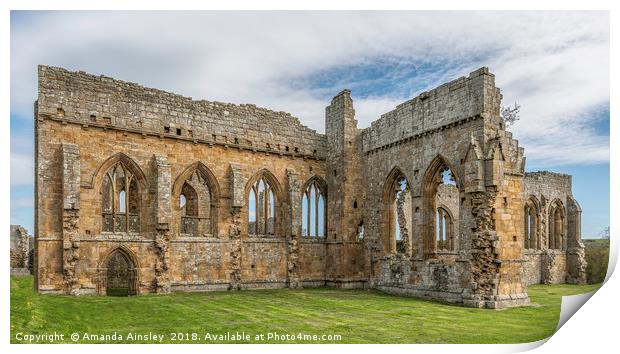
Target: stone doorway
[{"x": 120, "y": 275}]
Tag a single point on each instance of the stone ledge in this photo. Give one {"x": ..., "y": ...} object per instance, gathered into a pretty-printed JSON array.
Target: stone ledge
[{"x": 194, "y": 140}]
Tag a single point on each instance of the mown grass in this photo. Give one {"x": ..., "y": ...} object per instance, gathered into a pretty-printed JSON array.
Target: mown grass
[{"x": 359, "y": 316}]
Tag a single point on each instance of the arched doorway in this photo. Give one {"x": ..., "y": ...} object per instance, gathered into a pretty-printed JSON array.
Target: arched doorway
[{"x": 120, "y": 275}]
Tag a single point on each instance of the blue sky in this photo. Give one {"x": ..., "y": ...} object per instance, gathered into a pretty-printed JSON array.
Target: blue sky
[{"x": 554, "y": 64}]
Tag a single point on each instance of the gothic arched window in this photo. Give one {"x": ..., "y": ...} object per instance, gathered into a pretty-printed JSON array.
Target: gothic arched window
[
  {"x": 441, "y": 203},
  {"x": 556, "y": 226},
  {"x": 397, "y": 199},
  {"x": 261, "y": 208},
  {"x": 444, "y": 230},
  {"x": 530, "y": 228},
  {"x": 120, "y": 200},
  {"x": 313, "y": 209},
  {"x": 196, "y": 195}
]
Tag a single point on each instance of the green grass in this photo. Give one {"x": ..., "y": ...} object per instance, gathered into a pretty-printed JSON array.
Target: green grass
[{"x": 359, "y": 316}]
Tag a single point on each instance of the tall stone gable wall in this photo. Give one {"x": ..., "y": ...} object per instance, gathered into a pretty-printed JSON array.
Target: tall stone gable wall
[
  {"x": 86, "y": 124},
  {"x": 457, "y": 126}
]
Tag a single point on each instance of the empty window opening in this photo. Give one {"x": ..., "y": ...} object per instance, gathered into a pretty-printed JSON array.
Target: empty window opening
[
  {"x": 178, "y": 131},
  {"x": 121, "y": 201},
  {"x": 444, "y": 230},
  {"x": 530, "y": 237},
  {"x": 313, "y": 210},
  {"x": 441, "y": 208},
  {"x": 360, "y": 231},
  {"x": 261, "y": 208},
  {"x": 399, "y": 214},
  {"x": 556, "y": 226},
  {"x": 120, "y": 197},
  {"x": 447, "y": 177},
  {"x": 167, "y": 130},
  {"x": 196, "y": 205}
]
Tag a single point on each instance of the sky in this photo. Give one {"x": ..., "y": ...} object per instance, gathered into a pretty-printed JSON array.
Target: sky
[{"x": 555, "y": 65}]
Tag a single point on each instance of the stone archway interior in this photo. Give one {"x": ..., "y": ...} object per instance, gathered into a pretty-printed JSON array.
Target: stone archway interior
[{"x": 119, "y": 275}]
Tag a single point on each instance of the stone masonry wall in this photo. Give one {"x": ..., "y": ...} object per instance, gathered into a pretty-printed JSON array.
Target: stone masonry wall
[
  {"x": 87, "y": 127},
  {"x": 20, "y": 249},
  {"x": 447, "y": 104},
  {"x": 544, "y": 265},
  {"x": 99, "y": 100}
]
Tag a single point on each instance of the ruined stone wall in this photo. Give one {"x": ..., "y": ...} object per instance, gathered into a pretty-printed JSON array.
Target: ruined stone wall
[
  {"x": 85, "y": 125},
  {"x": 435, "y": 109},
  {"x": 445, "y": 276},
  {"x": 164, "y": 258},
  {"x": 544, "y": 265},
  {"x": 455, "y": 126},
  {"x": 346, "y": 258},
  {"x": 100, "y": 100},
  {"x": 20, "y": 250}
]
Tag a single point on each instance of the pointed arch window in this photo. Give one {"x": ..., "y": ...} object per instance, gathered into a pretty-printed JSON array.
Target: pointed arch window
[
  {"x": 557, "y": 216},
  {"x": 398, "y": 205},
  {"x": 444, "y": 230},
  {"x": 262, "y": 208},
  {"x": 120, "y": 200},
  {"x": 530, "y": 227},
  {"x": 313, "y": 210},
  {"x": 188, "y": 204},
  {"x": 196, "y": 202},
  {"x": 441, "y": 203}
]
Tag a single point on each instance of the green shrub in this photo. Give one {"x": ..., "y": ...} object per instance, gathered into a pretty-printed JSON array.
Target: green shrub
[{"x": 597, "y": 256}]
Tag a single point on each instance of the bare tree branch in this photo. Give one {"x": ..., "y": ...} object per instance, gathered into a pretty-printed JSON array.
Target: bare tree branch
[{"x": 510, "y": 114}]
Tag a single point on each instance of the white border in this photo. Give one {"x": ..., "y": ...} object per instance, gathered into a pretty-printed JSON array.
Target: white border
[{"x": 592, "y": 329}]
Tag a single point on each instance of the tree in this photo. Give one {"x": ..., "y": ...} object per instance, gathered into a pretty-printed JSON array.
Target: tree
[
  {"x": 605, "y": 233},
  {"x": 510, "y": 114}
]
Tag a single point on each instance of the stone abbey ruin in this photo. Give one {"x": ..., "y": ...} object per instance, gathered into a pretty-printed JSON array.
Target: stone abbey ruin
[{"x": 140, "y": 190}]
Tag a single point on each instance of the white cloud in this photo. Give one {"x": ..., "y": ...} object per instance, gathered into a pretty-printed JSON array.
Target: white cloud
[
  {"x": 22, "y": 202},
  {"x": 22, "y": 170},
  {"x": 556, "y": 65}
]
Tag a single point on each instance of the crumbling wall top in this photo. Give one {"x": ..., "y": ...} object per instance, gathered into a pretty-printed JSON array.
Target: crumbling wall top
[
  {"x": 549, "y": 184},
  {"x": 91, "y": 99},
  {"x": 463, "y": 98}
]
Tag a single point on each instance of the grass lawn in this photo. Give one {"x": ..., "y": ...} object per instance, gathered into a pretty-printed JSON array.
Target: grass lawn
[{"x": 359, "y": 316}]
